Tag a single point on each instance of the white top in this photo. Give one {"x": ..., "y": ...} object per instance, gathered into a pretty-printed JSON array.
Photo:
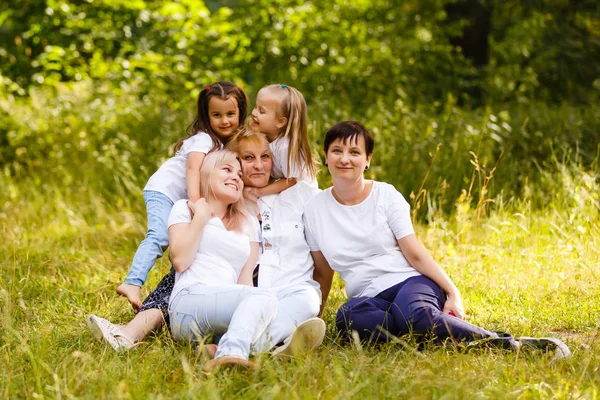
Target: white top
[
  {"x": 360, "y": 241},
  {"x": 220, "y": 255},
  {"x": 285, "y": 260},
  {"x": 170, "y": 177},
  {"x": 279, "y": 149}
]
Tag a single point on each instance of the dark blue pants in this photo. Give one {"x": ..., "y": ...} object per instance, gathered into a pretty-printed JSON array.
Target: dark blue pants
[{"x": 413, "y": 306}]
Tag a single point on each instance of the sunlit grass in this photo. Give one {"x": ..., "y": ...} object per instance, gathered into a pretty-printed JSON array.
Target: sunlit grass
[{"x": 529, "y": 272}]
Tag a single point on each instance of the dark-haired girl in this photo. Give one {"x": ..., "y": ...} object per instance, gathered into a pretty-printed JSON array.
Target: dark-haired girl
[{"x": 222, "y": 108}]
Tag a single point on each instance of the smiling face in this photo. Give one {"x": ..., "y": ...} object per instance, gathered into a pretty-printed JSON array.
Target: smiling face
[
  {"x": 256, "y": 162},
  {"x": 265, "y": 115},
  {"x": 223, "y": 115},
  {"x": 225, "y": 181},
  {"x": 347, "y": 160}
]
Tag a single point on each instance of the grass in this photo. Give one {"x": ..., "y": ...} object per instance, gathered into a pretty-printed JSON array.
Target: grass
[{"x": 529, "y": 272}]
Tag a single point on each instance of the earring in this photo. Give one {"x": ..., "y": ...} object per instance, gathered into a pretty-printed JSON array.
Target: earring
[
  {"x": 366, "y": 168},
  {"x": 326, "y": 165}
]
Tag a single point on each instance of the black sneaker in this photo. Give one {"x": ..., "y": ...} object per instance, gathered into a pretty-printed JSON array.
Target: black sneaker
[{"x": 502, "y": 340}]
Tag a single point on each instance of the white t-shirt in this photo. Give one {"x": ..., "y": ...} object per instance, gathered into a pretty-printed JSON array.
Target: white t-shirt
[
  {"x": 170, "y": 177},
  {"x": 279, "y": 149},
  {"x": 360, "y": 241},
  {"x": 285, "y": 260},
  {"x": 220, "y": 255}
]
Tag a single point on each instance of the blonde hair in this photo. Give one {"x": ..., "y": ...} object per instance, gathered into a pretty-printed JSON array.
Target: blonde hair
[
  {"x": 237, "y": 215},
  {"x": 293, "y": 107},
  {"x": 244, "y": 135}
]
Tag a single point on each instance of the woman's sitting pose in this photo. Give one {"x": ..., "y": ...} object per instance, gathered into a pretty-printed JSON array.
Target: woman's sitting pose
[
  {"x": 364, "y": 231},
  {"x": 214, "y": 248},
  {"x": 286, "y": 265}
]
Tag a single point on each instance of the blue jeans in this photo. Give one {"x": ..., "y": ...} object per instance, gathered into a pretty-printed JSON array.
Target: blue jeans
[
  {"x": 158, "y": 208},
  {"x": 413, "y": 306}
]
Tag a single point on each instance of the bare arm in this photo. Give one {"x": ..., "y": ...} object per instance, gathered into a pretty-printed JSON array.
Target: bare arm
[
  {"x": 421, "y": 260},
  {"x": 245, "y": 277},
  {"x": 184, "y": 238},
  {"x": 277, "y": 186},
  {"x": 323, "y": 274},
  {"x": 192, "y": 175}
]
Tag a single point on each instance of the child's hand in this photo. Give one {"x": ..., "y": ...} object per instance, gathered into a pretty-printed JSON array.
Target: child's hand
[
  {"x": 251, "y": 194},
  {"x": 200, "y": 209}
]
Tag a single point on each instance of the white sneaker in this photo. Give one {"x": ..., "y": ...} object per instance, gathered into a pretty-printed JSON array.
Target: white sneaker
[
  {"x": 561, "y": 350},
  {"x": 307, "y": 336},
  {"x": 106, "y": 332}
]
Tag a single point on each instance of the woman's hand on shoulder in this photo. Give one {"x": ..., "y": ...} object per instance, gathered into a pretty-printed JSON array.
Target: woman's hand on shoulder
[
  {"x": 454, "y": 306},
  {"x": 200, "y": 209}
]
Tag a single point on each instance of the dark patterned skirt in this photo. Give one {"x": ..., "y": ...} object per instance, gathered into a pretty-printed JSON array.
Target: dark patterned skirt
[{"x": 159, "y": 297}]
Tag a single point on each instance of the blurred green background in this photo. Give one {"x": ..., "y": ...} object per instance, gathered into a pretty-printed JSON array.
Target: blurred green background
[{"x": 469, "y": 100}]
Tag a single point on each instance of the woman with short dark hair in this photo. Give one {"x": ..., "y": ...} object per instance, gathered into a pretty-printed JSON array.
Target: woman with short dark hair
[{"x": 363, "y": 229}]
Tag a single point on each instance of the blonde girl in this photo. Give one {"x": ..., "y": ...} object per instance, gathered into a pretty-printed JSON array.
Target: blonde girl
[
  {"x": 281, "y": 114},
  {"x": 221, "y": 109}
]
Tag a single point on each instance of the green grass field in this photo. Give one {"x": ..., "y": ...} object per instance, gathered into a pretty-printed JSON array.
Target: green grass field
[{"x": 529, "y": 272}]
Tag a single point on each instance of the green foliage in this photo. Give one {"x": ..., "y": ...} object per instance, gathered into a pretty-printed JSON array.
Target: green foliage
[
  {"x": 359, "y": 52},
  {"x": 80, "y": 137},
  {"x": 552, "y": 53},
  {"x": 111, "y": 84}
]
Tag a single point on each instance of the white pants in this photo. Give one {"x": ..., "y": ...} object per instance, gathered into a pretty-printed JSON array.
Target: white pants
[
  {"x": 240, "y": 313},
  {"x": 296, "y": 304}
]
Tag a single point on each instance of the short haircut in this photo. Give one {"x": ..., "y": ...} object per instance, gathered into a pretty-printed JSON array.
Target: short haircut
[{"x": 349, "y": 130}]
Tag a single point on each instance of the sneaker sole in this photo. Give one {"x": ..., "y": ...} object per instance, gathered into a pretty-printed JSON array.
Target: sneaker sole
[{"x": 308, "y": 336}]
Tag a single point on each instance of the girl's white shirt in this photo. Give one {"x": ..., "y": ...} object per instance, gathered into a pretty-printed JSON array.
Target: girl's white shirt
[
  {"x": 285, "y": 260},
  {"x": 170, "y": 177},
  {"x": 279, "y": 149},
  {"x": 361, "y": 241},
  {"x": 221, "y": 254}
]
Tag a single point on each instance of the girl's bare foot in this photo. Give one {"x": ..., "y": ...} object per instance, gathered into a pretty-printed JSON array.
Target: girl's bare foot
[
  {"x": 133, "y": 294},
  {"x": 228, "y": 361}
]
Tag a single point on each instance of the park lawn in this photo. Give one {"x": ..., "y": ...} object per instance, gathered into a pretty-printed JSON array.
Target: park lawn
[{"x": 522, "y": 271}]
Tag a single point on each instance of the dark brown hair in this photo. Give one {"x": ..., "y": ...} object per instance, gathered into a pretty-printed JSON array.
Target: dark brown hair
[
  {"x": 349, "y": 130},
  {"x": 223, "y": 90}
]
